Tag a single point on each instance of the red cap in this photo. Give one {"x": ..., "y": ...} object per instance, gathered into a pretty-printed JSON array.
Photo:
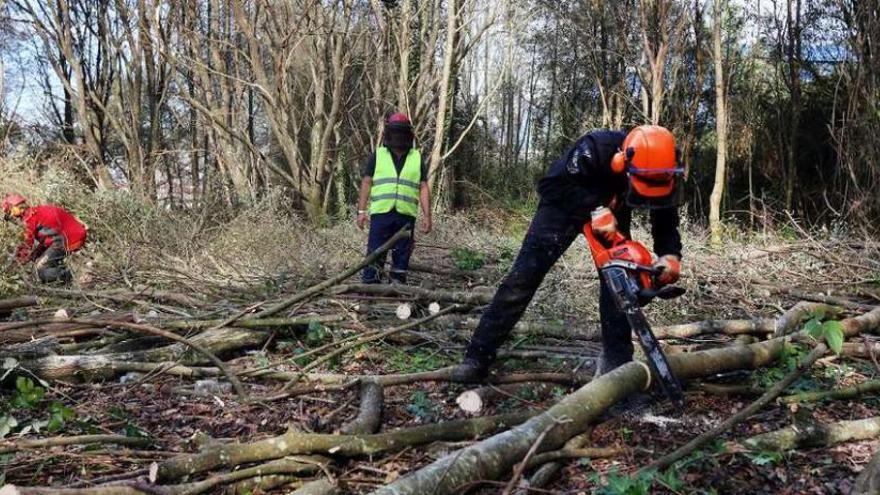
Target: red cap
[
  {"x": 11, "y": 200},
  {"x": 397, "y": 118}
]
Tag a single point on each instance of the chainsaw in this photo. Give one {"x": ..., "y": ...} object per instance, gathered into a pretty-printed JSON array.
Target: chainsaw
[{"x": 626, "y": 267}]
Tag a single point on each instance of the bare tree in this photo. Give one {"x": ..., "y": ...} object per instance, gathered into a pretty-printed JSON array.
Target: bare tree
[{"x": 720, "y": 125}]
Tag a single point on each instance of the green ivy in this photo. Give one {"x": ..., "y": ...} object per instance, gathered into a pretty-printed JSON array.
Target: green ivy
[
  {"x": 27, "y": 394},
  {"x": 467, "y": 259},
  {"x": 831, "y": 331}
]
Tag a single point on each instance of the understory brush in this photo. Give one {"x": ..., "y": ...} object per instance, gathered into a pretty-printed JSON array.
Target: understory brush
[{"x": 259, "y": 250}]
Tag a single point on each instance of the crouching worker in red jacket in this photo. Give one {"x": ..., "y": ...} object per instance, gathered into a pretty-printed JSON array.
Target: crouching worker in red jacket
[{"x": 50, "y": 234}]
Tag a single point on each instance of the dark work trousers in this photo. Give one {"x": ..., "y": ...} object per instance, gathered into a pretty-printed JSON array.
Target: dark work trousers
[
  {"x": 50, "y": 266},
  {"x": 382, "y": 227},
  {"x": 552, "y": 231}
]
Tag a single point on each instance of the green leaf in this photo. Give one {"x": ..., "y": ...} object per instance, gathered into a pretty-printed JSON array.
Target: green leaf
[
  {"x": 7, "y": 423},
  {"x": 316, "y": 333},
  {"x": 834, "y": 335},
  {"x": 814, "y": 328}
]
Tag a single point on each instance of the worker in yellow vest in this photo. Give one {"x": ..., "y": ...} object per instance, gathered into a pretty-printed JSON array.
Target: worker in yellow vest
[{"x": 395, "y": 181}]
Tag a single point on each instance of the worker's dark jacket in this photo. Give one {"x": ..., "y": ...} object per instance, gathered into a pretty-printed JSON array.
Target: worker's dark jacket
[{"x": 577, "y": 183}]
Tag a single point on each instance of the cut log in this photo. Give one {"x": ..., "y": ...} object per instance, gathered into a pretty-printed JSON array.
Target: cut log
[
  {"x": 476, "y": 400},
  {"x": 295, "y": 442},
  {"x": 493, "y": 457},
  {"x": 817, "y": 435}
]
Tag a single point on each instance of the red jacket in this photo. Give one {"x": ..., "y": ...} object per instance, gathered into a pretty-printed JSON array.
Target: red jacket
[{"x": 48, "y": 225}]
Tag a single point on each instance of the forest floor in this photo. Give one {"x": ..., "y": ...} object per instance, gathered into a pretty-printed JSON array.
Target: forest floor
[{"x": 337, "y": 332}]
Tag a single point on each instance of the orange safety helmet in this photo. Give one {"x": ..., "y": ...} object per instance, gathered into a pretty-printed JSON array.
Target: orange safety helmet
[
  {"x": 651, "y": 161},
  {"x": 11, "y": 201}
]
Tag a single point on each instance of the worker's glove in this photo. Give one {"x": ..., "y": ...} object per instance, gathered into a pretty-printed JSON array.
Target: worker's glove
[
  {"x": 604, "y": 223},
  {"x": 669, "y": 267}
]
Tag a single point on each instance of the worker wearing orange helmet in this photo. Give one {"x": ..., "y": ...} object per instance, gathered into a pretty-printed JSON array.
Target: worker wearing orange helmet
[
  {"x": 600, "y": 179},
  {"x": 50, "y": 234}
]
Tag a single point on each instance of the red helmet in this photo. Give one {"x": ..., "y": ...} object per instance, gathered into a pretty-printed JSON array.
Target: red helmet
[
  {"x": 398, "y": 131},
  {"x": 12, "y": 200},
  {"x": 650, "y": 159}
]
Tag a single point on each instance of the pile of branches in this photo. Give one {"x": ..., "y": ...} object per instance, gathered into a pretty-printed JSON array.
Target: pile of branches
[{"x": 154, "y": 334}]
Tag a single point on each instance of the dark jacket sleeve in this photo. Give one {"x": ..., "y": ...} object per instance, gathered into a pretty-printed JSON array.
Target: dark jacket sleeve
[
  {"x": 369, "y": 166},
  {"x": 664, "y": 229},
  {"x": 426, "y": 168}
]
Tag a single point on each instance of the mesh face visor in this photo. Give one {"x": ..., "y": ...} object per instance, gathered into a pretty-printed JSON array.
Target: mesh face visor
[
  {"x": 399, "y": 136},
  {"x": 653, "y": 188}
]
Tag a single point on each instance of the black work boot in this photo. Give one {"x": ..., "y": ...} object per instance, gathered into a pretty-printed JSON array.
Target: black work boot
[{"x": 470, "y": 370}]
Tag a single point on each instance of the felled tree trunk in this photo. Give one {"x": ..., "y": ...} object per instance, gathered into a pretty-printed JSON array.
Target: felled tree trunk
[
  {"x": 295, "y": 442},
  {"x": 708, "y": 327},
  {"x": 7, "y": 305},
  {"x": 493, "y": 457},
  {"x": 817, "y": 435}
]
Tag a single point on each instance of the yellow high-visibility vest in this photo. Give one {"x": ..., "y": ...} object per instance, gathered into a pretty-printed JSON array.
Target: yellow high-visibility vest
[{"x": 391, "y": 191}]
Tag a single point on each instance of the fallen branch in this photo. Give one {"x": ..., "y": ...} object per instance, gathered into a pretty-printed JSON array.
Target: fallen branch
[
  {"x": 8, "y": 447},
  {"x": 817, "y": 435},
  {"x": 287, "y": 465},
  {"x": 369, "y": 418},
  {"x": 472, "y": 298},
  {"x": 758, "y": 326},
  {"x": 317, "y": 487},
  {"x": 575, "y": 453},
  {"x": 342, "y": 349},
  {"x": 7, "y": 305},
  {"x": 797, "y": 314},
  {"x": 545, "y": 474},
  {"x": 233, "y": 379},
  {"x": 321, "y": 287},
  {"x": 867, "y": 387},
  {"x": 298, "y": 321},
  {"x": 769, "y": 396},
  {"x": 295, "y": 442}
]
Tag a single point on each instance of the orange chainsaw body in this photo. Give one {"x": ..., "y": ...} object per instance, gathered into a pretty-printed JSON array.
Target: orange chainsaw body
[{"x": 624, "y": 250}]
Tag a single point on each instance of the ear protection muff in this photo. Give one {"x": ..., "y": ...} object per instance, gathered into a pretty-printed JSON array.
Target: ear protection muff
[{"x": 618, "y": 162}]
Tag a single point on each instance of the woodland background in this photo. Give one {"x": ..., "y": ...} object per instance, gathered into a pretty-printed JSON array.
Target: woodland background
[{"x": 194, "y": 103}]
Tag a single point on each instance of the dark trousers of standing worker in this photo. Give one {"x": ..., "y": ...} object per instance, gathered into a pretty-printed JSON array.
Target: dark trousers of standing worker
[
  {"x": 383, "y": 226},
  {"x": 552, "y": 231}
]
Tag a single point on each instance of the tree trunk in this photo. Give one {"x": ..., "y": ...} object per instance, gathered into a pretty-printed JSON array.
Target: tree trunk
[{"x": 720, "y": 128}]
